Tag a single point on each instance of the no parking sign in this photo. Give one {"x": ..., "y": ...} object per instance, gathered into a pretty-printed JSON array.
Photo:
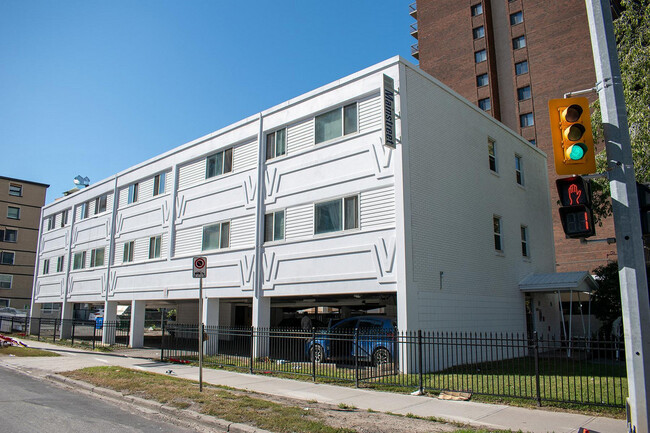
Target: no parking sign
[{"x": 199, "y": 267}]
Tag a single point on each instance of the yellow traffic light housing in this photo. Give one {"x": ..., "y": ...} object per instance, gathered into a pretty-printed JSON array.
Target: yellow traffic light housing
[{"x": 573, "y": 142}]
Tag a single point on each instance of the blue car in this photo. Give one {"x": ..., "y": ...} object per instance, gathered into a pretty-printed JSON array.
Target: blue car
[{"x": 376, "y": 341}]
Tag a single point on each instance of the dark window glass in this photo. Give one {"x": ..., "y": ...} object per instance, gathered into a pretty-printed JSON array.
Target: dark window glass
[
  {"x": 478, "y": 32},
  {"x": 521, "y": 67},
  {"x": 523, "y": 93},
  {"x": 484, "y": 104},
  {"x": 518, "y": 42},
  {"x": 516, "y": 18},
  {"x": 482, "y": 80}
]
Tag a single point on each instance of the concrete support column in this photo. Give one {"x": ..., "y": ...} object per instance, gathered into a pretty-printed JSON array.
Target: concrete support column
[
  {"x": 211, "y": 320},
  {"x": 34, "y": 318},
  {"x": 110, "y": 322},
  {"x": 261, "y": 321},
  {"x": 67, "y": 314},
  {"x": 136, "y": 332}
]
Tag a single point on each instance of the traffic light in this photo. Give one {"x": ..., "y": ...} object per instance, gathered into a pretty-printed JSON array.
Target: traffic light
[
  {"x": 575, "y": 213},
  {"x": 573, "y": 142},
  {"x": 643, "y": 192}
]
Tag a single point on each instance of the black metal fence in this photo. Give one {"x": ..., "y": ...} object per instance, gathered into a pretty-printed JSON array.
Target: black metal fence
[
  {"x": 582, "y": 371},
  {"x": 93, "y": 333}
]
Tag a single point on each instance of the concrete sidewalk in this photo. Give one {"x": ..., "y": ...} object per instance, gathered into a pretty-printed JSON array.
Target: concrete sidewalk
[{"x": 491, "y": 416}]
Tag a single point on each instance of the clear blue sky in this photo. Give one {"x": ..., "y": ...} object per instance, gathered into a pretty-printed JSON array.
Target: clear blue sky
[{"x": 94, "y": 87}]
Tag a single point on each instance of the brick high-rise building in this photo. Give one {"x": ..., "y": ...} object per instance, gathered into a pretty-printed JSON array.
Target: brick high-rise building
[
  {"x": 20, "y": 216},
  {"x": 510, "y": 57}
]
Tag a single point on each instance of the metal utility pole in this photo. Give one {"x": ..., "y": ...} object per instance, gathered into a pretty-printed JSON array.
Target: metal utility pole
[{"x": 627, "y": 221}]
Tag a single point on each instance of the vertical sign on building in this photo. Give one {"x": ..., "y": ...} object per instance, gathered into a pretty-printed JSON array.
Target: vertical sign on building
[{"x": 388, "y": 98}]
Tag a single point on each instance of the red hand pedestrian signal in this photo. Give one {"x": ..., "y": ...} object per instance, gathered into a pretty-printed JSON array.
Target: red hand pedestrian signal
[{"x": 574, "y": 191}]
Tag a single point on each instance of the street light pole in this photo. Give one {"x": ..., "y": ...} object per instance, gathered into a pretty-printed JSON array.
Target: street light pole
[{"x": 625, "y": 206}]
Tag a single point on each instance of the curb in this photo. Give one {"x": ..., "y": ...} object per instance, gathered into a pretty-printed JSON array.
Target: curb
[{"x": 153, "y": 407}]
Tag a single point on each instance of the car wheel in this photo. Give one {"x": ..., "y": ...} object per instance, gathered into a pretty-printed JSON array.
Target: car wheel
[
  {"x": 381, "y": 356},
  {"x": 316, "y": 353}
]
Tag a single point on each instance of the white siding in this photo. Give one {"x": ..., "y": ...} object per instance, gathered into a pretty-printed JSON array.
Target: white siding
[
  {"x": 244, "y": 156},
  {"x": 242, "y": 231},
  {"x": 191, "y": 174},
  {"x": 77, "y": 212},
  {"x": 299, "y": 222},
  {"x": 370, "y": 113},
  {"x": 300, "y": 136},
  {"x": 377, "y": 208},
  {"x": 188, "y": 241},
  {"x": 141, "y": 250},
  {"x": 145, "y": 189},
  {"x": 123, "y": 197},
  {"x": 168, "y": 181},
  {"x": 109, "y": 202}
]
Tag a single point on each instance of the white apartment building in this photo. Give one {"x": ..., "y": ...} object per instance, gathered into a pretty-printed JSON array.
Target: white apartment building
[{"x": 308, "y": 204}]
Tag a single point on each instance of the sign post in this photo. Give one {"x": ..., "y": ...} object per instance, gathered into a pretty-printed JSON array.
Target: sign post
[{"x": 199, "y": 270}]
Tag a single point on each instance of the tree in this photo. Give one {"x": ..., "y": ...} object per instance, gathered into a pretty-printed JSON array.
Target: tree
[
  {"x": 632, "y": 31},
  {"x": 606, "y": 299}
]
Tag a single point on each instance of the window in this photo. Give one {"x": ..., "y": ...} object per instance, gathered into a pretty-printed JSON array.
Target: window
[
  {"x": 480, "y": 56},
  {"x": 478, "y": 32},
  {"x": 496, "y": 221},
  {"x": 335, "y": 123},
  {"x": 336, "y": 215},
  {"x": 524, "y": 242},
  {"x": 526, "y": 119},
  {"x": 523, "y": 93},
  {"x": 83, "y": 214},
  {"x": 100, "y": 204},
  {"x": 519, "y": 173},
  {"x": 533, "y": 141},
  {"x": 13, "y": 213},
  {"x": 492, "y": 155},
  {"x": 15, "y": 190},
  {"x": 216, "y": 236},
  {"x": 482, "y": 80},
  {"x": 154, "y": 247},
  {"x": 59, "y": 264},
  {"x": 46, "y": 266},
  {"x": 97, "y": 257},
  {"x": 50, "y": 222},
  {"x": 5, "y": 281},
  {"x": 274, "y": 226},
  {"x": 276, "y": 143},
  {"x": 9, "y": 235},
  {"x": 64, "y": 218},
  {"x": 79, "y": 260},
  {"x": 218, "y": 164},
  {"x": 516, "y": 18},
  {"x": 477, "y": 9},
  {"x": 521, "y": 67},
  {"x": 133, "y": 193},
  {"x": 159, "y": 184},
  {"x": 128, "y": 252},
  {"x": 518, "y": 42},
  {"x": 7, "y": 258},
  {"x": 484, "y": 104}
]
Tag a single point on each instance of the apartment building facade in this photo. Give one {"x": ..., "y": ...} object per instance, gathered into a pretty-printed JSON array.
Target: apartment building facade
[
  {"x": 19, "y": 223},
  {"x": 509, "y": 57},
  {"x": 383, "y": 190}
]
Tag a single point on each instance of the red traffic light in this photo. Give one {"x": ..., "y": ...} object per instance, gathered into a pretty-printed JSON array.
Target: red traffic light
[
  {"x": 575, "y": 213},
  {"x": 573, "y": 191}
]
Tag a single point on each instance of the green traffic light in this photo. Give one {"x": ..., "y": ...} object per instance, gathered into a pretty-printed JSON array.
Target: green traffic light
[{"x": 576, "y": 152}]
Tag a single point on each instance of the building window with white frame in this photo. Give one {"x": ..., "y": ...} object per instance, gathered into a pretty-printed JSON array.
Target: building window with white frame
[
  {"x": 13, "y": 212},
  {"x": 336, "y": 123},
  {"x": 336, "y": 215},
  {"x": 46, "y": 266},
  {"x": 498, "y": 242},
  {"x": 79, "y": 260},
  {"x": 274, "y": 226},
  {"x": 7, "y": 258},
  {"x": 15, "y": 190},
  {"x": 59, "y": 264},
  {"x": 64, "y": 218},
  {"x": 83, "y": 212},
  {"x": 97, "y": 257},
  {"x": 492, "y": 155},
  {"x": 519, "y": 170},
  {"x": 133, "y": 193},
  {"x": 524, "y": 242},
  {"x": 127, "y": 255},
  {"x": 154, "y": 247},
  {"x": 219, "y": 163},
  {"x": 100, "y": 204},
  {"x": 5, "y": 281},
  {"x": 9, "y": 235},
  {"x": 159, "y": 184},
  {"x": 216, "y": 236},
  {"x": 276, "y": 143}
]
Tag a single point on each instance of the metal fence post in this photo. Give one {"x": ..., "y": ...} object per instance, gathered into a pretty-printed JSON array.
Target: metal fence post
[
  {"x": 356, "y": 357},
  {"x": 536, "y": 351},
  {"x": 95, "y": 332},
  {"x": 72, "y": 337},
  {"x": 313, "y": 354},
  {"x": 420, "y": 361},
  {"x": 54, "y": 333},
  {"x": 39, "y": 330},
  {"x": 162, "y": 338},
  {"x": 252, "y": 349}
]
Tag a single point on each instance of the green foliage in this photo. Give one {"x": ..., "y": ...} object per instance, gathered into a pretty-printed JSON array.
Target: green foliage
[
  {"x": 632, "y": 30},
  {"x": 606, "y": 300}
]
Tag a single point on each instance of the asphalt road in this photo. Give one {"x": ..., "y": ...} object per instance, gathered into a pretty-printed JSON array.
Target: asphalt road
[{"x": 29, "y": 405}]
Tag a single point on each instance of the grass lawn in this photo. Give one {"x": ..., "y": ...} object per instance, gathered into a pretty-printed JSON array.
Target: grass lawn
[{"x": 25, "y": 351}]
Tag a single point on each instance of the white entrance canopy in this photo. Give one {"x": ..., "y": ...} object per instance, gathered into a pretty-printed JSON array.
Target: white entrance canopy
[{"x": 558, "y": 282}]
